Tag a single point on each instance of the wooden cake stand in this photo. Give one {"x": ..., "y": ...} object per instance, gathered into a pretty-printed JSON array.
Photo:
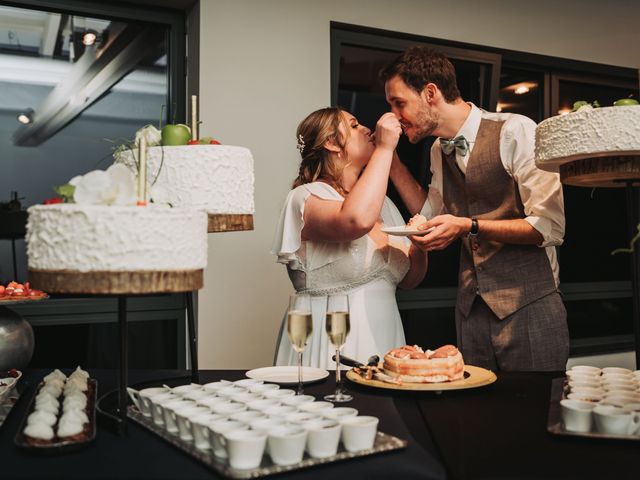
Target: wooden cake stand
[
  {"x": 121, "y": 285},
  {"x": 608, "y": 171},
  {"x": 224, "y": 222}
]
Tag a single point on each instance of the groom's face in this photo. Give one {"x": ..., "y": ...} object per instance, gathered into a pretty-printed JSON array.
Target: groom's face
[{"x": 417, "y": 118}]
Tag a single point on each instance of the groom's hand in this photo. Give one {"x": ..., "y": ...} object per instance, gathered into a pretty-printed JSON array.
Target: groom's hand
[{"x": 447, "y": 228}]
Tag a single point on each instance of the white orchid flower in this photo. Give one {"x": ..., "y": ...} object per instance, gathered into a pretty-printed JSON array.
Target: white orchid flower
[
  {"x": 151, "y": 134},
  {"x": 115, "y": 186}
]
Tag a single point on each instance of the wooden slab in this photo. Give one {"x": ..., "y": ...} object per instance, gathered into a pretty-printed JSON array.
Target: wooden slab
[
  {"x": 116, "y": 283},
  {"x": 474, "y": 377},
  {"x": 610, "y": 172},
  {"x": 222, "y": 222}
]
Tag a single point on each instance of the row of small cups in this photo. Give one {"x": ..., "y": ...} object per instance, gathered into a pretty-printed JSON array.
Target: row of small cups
[
  {"x": 215, "y": 416},
  {"x": 612, "y": 385},
  {"x": 606, "y": 400}
]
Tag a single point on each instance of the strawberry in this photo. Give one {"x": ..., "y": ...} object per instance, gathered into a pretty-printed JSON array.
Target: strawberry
[
  {"x": 214, "y": 142},
  {"x": 193, "y": 142}
]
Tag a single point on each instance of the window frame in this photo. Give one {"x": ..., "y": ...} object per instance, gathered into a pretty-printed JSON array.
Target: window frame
[{"x": 555, "y": 69}]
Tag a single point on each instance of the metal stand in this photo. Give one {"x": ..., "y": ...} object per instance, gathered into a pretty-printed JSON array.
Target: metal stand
[
  {"x": 632, "y": 224},
  {"x": 114, "y": 414}
]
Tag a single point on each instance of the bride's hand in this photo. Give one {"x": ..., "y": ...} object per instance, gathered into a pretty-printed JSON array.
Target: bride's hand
[{"x": 388, "y": 131}]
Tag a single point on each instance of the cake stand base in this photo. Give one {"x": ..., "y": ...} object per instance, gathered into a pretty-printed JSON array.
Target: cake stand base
[
  {"x": 609, "y": 172},
  {"x": 222, "y": 222}
]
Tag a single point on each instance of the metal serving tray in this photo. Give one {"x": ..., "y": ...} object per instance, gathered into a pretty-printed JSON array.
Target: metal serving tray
[
  {"x": 554, "y": 420},
  {"x": 383, "y": 443}
]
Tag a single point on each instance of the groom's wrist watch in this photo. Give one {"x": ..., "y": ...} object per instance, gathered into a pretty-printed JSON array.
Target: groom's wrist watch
[{"x": 473, "y": 231}]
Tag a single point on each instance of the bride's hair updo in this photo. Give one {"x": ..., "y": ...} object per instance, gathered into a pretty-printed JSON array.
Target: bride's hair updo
[{"x": 313, "y": 132}]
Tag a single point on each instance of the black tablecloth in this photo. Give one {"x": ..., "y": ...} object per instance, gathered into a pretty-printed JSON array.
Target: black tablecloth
[
  {"x": 498, "y": 431},
  {"x": 142, "y": 455}
]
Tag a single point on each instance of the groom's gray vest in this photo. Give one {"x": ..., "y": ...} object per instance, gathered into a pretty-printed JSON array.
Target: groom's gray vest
[{"x": 506, "y": 276}]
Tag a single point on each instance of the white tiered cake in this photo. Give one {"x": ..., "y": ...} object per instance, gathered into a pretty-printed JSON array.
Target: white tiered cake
[
  {"x": 216, "y": 178},
  {"x": 116, "y": 249},
  {"x": 587, "y": 133}
]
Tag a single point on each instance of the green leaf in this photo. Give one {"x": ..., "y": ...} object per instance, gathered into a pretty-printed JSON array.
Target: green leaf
[{"x": 65, "y": 191}]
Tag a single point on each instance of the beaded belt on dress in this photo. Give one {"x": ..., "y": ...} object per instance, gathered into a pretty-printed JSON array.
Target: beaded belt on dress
[{"x": 369, "y": 277}]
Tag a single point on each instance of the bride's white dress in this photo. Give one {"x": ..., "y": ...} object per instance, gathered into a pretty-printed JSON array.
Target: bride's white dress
[{"x": 360, "y": 268}]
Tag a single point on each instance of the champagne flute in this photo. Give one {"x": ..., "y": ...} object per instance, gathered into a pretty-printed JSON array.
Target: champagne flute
[
  {"x": 299, "y": 328},
  {"x": 337, "y": 326}
]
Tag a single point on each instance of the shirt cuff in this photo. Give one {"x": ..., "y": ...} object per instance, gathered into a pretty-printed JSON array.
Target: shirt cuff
[{"x": 545, "y": 227}]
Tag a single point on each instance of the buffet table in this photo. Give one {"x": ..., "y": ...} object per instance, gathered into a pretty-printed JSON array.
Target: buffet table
[{"x": 498, "y": 431}]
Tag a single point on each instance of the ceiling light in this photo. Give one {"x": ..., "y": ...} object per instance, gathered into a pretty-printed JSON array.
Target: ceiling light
[
  {"x": 522, "y": 89},
  {"x": 25, "y": 117},
  {"x": 89, "y": 37},
  {"x": 564, "y": 111}
]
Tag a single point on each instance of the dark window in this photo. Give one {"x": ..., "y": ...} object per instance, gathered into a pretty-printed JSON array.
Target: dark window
[{"x": 595, "y": 284}]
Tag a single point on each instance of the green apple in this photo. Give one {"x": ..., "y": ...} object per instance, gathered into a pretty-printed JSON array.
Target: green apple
[
  {"x": 175, "y": 134},
  {"x": 625, "y": 101}
]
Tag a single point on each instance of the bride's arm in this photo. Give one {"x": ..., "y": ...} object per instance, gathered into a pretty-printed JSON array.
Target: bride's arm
[
  {"x": 417, "y": 270},
  {"x": 334, "y": 221}
]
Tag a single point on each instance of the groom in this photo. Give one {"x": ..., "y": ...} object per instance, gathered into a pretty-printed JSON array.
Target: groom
[{"x": 486, "y": 190}]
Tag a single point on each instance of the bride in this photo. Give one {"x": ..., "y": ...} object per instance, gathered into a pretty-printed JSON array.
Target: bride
[{"x": 329, "y": 235}]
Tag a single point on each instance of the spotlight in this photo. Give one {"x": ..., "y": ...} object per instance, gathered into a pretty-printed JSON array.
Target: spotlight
[
  {"x": 522, "y": 89},
  {"x": 25, "y": 117},
  {"x": 89, "y": 37}
]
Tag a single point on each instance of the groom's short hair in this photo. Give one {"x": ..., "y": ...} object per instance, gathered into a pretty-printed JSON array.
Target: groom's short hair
[{"x": 419, "y": 65}]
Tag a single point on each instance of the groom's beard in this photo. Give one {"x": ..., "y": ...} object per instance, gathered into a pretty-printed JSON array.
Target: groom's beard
[{"x": 424, "y": 125}]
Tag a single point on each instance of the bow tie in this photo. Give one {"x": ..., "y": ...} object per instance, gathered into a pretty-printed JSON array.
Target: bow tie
[{"x": 459, "y": 143}]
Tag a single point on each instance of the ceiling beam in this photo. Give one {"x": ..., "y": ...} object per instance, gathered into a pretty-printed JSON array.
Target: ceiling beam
[
  {"x": 50, "y": 34},
  {"x": 92, "y": 76}
]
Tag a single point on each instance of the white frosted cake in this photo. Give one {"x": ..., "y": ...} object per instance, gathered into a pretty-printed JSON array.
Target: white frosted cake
[
  {"x": 216, "y": 178},
  {"x": 587, "y": 133},
  {"x": 152, "y": 247}
]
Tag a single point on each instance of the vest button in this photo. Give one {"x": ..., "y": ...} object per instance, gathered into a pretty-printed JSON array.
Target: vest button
[{"x": 479, "y": 268}]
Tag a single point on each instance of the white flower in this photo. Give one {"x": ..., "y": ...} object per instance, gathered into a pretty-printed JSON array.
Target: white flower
[
  {"x": 115, "y": 186},
  {"x": 151, "y": 134}
]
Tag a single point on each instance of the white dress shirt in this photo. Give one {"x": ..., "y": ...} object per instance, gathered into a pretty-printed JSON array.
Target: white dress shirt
[{"x": 540, "y": 191}]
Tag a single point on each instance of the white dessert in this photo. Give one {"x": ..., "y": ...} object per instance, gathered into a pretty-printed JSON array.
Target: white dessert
[
  {"x": 40, "y": 431},
  {"x": 39, "y": 416},
  {"x": 216, "y": 178},
  {"x": 589, "y": 132},
  {"x": 68, "y": 426},
  {"x": 89, "y": 238}
]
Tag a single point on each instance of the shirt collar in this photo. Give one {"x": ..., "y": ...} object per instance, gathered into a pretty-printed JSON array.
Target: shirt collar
[{"x": 471, "y": 125}]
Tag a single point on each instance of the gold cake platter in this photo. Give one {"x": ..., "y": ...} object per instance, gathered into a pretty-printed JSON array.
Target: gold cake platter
[
  {"x": 474, "y": 377},
  {"x": 116, "y": 283}
]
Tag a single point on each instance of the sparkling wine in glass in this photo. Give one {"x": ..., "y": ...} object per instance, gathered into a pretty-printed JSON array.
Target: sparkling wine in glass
[
  {"x": 337, "y": 327},
  {"x": 299, "y": 328}
]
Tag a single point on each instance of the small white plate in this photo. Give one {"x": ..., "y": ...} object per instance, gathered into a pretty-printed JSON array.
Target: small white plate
[
  {"x": 287, "y": 375},
  {"x": 404, "y": 232}
]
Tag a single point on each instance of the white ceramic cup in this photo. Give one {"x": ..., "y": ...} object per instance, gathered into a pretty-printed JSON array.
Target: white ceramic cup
[
  {"x": 169, "y": 412},
  {"x": 323, "y": 437},
  {"x": 286, "y": 444},
  {"x": 280, "y": 411},
  {"x": 228, "y": 407},
  {"x": 215, "y": 386},
  {"x": 338, "y": 413},
  {"x": 296, "y": 400},
  {"x": 217, "y": 429},
  {"x": 200, "y": 429},
  {"x": 300, "y": 418},
  {"x": 586, "y": 394},
  {"x": 245, "y": 397},
  {"x": 620, "y": 399},
  {"x": 184, "y": 389},
  {"x": 183, "y": 420},
  {"x": 145, "y": 398},
  {"x": 248, "y": 382},
  {"x": 634, "y": 410},
  {"x": 619, "y": 386},
  {"x": 573, "y": 384},
  {"x": 196, "y": 395},
  {"x": 586, "y": 370},
  {"x": 262, "y": 405},
  {"x": 210, "y": 401},
  {"x": 616, "y": 371},
  {"x": 230, "y": 390},
  {"x": 315, "y": 407},
  {"x": 615, "y": 420},
  {"x": 359, "y": 433},
  {"x": 264, "y": 387},
  {"x": 278, "y": 394},
  {"x": 156, "y": 402},
  {"x": 247, "y": 416},
  {"x": 244, "y": 448},
  {"x": 576, "y": 415}
]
